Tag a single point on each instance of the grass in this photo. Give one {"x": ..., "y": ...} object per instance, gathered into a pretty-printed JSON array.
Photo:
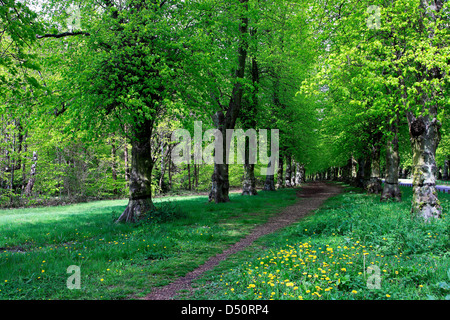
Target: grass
[
  {"x": 120, "y": 261},
  {"x": 353, "y": 248},
  {"x": 343, "y": 251}
]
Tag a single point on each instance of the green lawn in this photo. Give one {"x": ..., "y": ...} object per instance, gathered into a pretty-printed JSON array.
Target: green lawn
[
  {"x": 324, "y": 256},
  {"x": 327, "y": 255},
  {"x": 119, "y": 261}
]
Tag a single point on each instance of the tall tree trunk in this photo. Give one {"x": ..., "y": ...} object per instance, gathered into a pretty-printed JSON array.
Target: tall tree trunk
[
  {"x": 140, "y": 196},
  {"x": 280, "y": 173},
  {"x": 374, "y": 185},
  {"x": 298, "y": 174},
  {"x": 293, "y": 169},
  {"x": 425, "y": 137},
  {"x": 169, "y": 169},
  {"x": 113, "y": 163},
  {"x": 189, "y": 176},
  {"x": 360, "y": 173},
  {"x": 220, "y": 182},
  {"x": 249, "y": 183},
  {"x": 287, "y": 179},
  {"x": 161, "y": 178},
  {"x": 347, "y": 171},
  {"x": 32, "y": 178},
  {"x": 196, "y": 177},
  {"x": 269, "y": 184},
  {"x": 391, "y": 189},
  {"x": 13, "y": 161},
  {"x": 125, "y": 155},
  {"x": 353, "y": 170},
  {"x": 24, "y": 165},
  {"x": 249, "y": 120}
]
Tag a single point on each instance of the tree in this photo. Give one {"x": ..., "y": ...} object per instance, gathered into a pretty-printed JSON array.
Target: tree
[
  {"x": 226, "y": 117},
  {"x": 128, "y": 76}
]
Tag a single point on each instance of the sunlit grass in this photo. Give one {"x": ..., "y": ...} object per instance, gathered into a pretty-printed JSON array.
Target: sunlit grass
[
  {"x": 327, "y": 256},
  {"x": 119, "y": 261}
]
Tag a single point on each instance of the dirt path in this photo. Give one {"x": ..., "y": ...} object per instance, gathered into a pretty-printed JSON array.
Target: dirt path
[{"x": 313, "y": 194}]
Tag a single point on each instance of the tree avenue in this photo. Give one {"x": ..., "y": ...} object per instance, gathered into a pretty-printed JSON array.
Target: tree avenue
[
  {"x": 91, "y": 91},
  {"x": 391, "y": 60}
]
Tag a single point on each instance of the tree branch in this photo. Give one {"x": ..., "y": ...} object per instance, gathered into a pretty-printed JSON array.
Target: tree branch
[{"x": 61, "y": 35}]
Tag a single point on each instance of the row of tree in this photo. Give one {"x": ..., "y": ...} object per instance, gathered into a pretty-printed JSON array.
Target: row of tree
[
  {"x": 103, "y": 83},
  {"x": 385, "y": 80},
  {"x": 92, "y": 89}
]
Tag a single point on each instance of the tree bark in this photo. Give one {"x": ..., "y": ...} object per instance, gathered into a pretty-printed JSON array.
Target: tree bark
[
  {"x": 125, "y": 155},
  {"x": 349, "y": 171},
  {"x": 32, "y": 178},
  {"x": 391, "y": 189},
  {"x": 293, "y": 173},
  {"x": 140, "y": 193},
  {"x": 196, "y": 176},
  {"x": 220, "y": 184},
  {"x": 303, "y": 173},
  {"x": 425, "y": 137},
  {"x": 374, "y": 184},
  {"x": 287, "y": 179},
  {"x": 169, "y": 169},
  {"x": 189, "y": 176},
  {"x": 336, "y": 174},
  {"x": 280, "y": 173},
  {"x": 113, "y": 163},
  {"x": 249, "y": 183},
  {"x": 360, "y": 173},
  {"x": 298, "y": 174},
  {"x": 24, "y": 165},
  {"x": 269, "y": 184}
]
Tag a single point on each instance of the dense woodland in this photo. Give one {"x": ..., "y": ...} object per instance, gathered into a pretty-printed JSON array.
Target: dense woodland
[{"x": 91, "y": 91}]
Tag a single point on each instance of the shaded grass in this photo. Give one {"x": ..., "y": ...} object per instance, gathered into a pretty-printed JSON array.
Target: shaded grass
[
  {"x": 119, "y": 261},
  {"x": 326, "y": 256}
]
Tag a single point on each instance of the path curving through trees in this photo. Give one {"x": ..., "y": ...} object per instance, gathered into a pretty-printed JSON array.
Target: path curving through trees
[{"x": 312, "y": 197}]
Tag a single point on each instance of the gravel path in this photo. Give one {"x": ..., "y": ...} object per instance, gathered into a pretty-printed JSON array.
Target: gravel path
[{"x": 312, "y": 194}]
